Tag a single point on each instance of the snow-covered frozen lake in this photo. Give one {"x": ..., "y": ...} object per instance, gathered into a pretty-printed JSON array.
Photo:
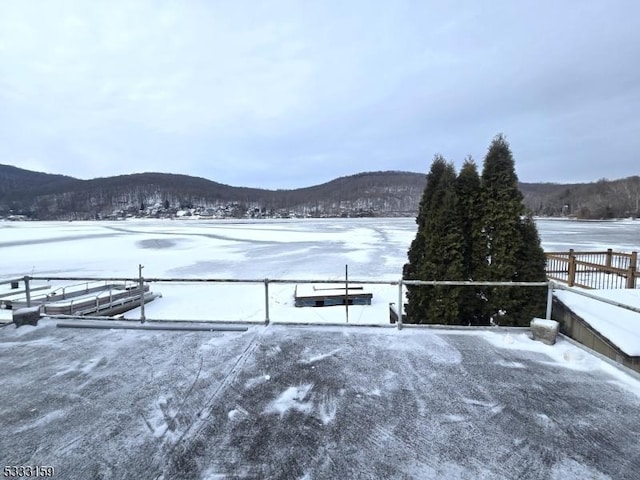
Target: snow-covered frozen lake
[
  {"x": 561, "y": 235},
  {"x": 373, "y": 248},
  {"x": 311, "y": 248}
]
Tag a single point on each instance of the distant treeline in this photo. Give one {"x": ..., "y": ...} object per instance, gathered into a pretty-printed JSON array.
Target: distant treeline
[
  {"x": 45, "y": 196},
  {"x": 601, "y": 199}
]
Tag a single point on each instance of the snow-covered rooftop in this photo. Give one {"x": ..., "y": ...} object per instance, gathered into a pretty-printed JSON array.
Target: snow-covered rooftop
[
  {"x": 619, "y": 325},
  {"x": 313, "y": 402}
]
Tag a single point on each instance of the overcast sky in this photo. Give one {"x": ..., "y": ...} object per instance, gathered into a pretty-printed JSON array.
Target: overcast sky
[{"x": 284, "y": 94}]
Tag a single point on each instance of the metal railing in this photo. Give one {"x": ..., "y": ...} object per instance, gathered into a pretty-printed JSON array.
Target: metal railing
[{"x": 400, "y": 284}]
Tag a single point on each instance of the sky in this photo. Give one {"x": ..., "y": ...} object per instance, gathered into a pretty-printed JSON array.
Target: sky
[{"x": 286, "y": 94}]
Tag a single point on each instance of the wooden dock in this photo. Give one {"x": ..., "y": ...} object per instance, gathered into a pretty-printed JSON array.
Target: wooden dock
[
  {"x": 327, "y": 295},
  {"x": 88, "y": 298}
]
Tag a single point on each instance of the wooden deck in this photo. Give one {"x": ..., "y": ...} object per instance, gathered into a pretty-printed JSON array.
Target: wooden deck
[{"x": 597, "y": 269}]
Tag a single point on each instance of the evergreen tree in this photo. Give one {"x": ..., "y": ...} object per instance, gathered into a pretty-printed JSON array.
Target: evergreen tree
[
  {"x": 474, "y": 251},
  {"x": 472, "y": 228},
  {"x": 436, "y": 252},
  {"x": 512, "y": 241},
  {"x": 417, "y": 250},
  {"x": 529, "y": 302}
]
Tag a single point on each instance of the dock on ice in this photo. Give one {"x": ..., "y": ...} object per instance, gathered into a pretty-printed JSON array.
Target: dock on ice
[
  {"x": 325, "y": 295},
  {"x": 87, "y": 298}
]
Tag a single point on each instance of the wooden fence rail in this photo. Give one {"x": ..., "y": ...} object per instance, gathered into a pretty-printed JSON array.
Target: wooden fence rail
[{"x": 602, "y": 269}]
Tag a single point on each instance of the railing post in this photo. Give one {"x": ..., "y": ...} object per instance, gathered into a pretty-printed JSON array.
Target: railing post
[
  {"x": 607, "y": 261},
  {"x": 266, "y": 301},
  {"x": 400, "y": 305},
  {"x": 549, "y": 300},
  {"x": 346, "y": 291},
  {"x": 141, "y": 280},
  {"x": 631, "y": 272},
  {"x": 27, "y": 290},
  {"x": 572, "y": 269}
]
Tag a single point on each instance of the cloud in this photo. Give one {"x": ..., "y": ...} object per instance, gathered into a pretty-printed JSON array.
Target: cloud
[{"x": 283, "y": 93}]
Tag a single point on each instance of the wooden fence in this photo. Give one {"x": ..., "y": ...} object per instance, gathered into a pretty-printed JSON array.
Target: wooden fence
[{"x": 602, "y": 270}]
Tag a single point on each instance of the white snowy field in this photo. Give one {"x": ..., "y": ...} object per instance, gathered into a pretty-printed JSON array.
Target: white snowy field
[{"x": 373, "y": 249}]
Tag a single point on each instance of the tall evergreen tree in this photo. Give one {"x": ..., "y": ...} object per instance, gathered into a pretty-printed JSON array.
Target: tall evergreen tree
[
  {"x": 436, "y": 252},
  {"x": 472, "y": 228},
  {"x": 474, "y": 251},
  {"x": 417, "y": 250},
  {"x": 529, "y": 302},
  {"x": 505, "y": 231}
]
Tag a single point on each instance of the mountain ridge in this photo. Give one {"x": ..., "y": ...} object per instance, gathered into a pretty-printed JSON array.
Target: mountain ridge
[
  {"x": 48, "y": 196},
  {"x": 368, "y": 193}
]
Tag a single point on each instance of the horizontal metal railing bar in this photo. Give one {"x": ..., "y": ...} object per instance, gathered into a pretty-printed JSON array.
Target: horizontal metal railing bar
[
  {"x": 215, "y": 280},
  {"x": 338, "y": 281},
  {"x": 301, "y": 281},
  {"x": 462, "y": 283},
  {"x": 20, "y": 292}
]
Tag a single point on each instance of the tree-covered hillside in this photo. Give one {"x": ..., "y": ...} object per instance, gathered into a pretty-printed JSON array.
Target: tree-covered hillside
[
  {"x": 47, "y": 196},
  {"x": 365, "y": 194}
]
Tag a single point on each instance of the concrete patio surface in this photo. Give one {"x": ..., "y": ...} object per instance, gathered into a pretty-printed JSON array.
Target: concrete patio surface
[{"x": 312, "y": 403}]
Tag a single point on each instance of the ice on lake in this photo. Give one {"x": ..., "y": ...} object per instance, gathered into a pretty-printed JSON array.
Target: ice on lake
[{"x": 373, "y": 249}]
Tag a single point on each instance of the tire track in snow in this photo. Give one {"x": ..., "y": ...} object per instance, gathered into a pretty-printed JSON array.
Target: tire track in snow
[{"x": 181, "y": 446}]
